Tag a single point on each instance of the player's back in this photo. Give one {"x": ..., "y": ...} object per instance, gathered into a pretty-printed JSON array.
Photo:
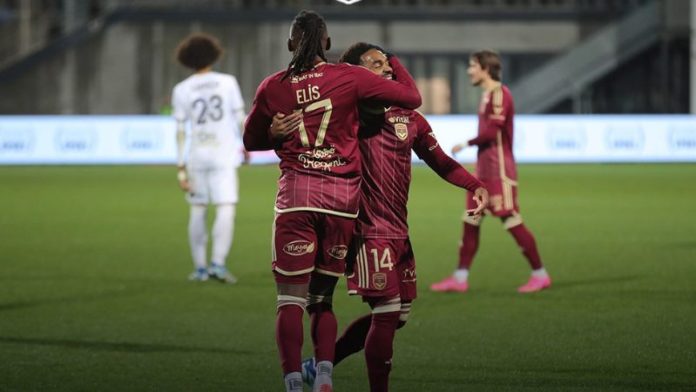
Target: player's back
[
  {"x": 209, "y": 102},
  {"x": 321, "y": 162}
]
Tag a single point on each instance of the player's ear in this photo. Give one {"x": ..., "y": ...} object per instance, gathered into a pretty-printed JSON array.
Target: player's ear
[
  {"x": 290, "y": 46},
  {"x": 328, "y": 43}
]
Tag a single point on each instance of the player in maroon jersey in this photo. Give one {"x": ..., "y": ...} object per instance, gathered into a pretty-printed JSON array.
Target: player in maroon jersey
[
  {"x": 385, "y": 272},
  {"x": 496, "y": 168},
  {"x": 318, "y": 190}
]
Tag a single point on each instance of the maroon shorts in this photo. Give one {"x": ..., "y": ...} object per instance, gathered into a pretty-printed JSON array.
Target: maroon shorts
[
  {"x": 383, "y": 268},
  {"x": 306, "y": 241},
  {"x": 502, "y": 198}
]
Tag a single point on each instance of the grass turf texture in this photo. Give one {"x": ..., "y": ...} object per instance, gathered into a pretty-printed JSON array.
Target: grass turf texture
[{"x": 94, "y": 294}]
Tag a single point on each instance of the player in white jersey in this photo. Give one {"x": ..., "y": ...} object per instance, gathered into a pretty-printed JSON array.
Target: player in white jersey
[{"x": 209, "y": 112}]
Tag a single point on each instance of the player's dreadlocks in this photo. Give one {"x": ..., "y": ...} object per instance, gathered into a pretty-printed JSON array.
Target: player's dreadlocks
[{"x": 309, "y": 27}]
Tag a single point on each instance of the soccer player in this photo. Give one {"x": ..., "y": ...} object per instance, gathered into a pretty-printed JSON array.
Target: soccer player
[
  {"x": 211, "y": 105},
  {"x": 496, "y": 168},
  {"x": 384, "y": 272},
  {"x": 318, "y": 190}
]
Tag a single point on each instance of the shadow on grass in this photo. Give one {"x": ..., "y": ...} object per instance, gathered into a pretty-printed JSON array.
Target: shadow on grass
[
  {"x": 70, "y": 299},
  {"x": 119, "y": 347}
]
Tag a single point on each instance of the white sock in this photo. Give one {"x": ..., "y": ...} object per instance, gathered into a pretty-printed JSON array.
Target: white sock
[
  {"x": 540, "y": 273},
  {"x": 293, "y": 382},
  {"x": 223, "y": 229},
  {"x": 324, "y": 371},
  {"x": 198, "y": 238},
  {"x": 461, "y": 275}
]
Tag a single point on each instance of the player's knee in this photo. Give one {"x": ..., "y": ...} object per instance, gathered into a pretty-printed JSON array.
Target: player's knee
[
  {"x": 511, "y": 221},
  {"x": 381, "y": 305},
  {"x": 290, "y": 300},
  {"x": 319, "y": 303},
  {"x": 474, "y": 220}
]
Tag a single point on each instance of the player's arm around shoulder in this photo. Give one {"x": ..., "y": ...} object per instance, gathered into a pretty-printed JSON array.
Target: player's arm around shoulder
[{"x": 258, "y": 122}]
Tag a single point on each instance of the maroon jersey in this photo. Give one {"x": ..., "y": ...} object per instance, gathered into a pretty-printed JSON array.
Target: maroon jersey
[
  {"x": 387, "y": 172},
  {"x": 320, "y": 164},
  {"x": 495, "y": 133}
]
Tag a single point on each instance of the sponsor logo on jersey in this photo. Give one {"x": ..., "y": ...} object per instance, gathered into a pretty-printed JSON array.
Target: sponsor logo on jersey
[
  {"x": 298, "y": 248},
  {"x": 338, "y": 252},
  {"x": 401, "y": 131},
  {"x": 348, "y": 2},
  {"x": 682, "y": 138},
  {"x": 79, "y": 140},
  {"x": 399, "y": 119},
  {"x": 625, "y": 138},
  {"x": 141, "y": 140},
  {"x": 16, "y": 140},
  {"x": 379, "y": 280}
]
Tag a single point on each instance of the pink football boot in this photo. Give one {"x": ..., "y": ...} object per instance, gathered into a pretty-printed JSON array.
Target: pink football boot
[
  {"x": 535, "y": 283},
  {"x": 450, "y": 284}
]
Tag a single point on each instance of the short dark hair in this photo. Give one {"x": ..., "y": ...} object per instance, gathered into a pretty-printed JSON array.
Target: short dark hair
[
  {"x": 198, "y": 51},
  {"x": 352, "y": 55},
  {"x": 308, "y": 28},
  {"x": 490, "y": 61}
]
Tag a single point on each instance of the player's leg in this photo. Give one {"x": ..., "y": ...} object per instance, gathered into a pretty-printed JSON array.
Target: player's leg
[
  {"x": 294, "y": 251},
  {"x": 468, "y": 246},
  {"x": 379, "y": 343},
  {"x": 198, "y": 199},
  {"x": 224, "y": 193},
  {"x": 335, "y": 234},
  {"x": 323, "y": 326},
  {"x": 512, "y": 221}
]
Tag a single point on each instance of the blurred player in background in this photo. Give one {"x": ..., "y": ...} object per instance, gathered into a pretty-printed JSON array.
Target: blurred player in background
[
  {"x": 384, "y": 271},
  {"x": 319, "y": 188},
  {"x": 210, "y": 105},
  {"x": 496, "y": 168}
]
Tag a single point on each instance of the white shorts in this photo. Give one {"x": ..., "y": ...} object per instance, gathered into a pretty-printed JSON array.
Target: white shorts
[{"x": 215, "y": 185}]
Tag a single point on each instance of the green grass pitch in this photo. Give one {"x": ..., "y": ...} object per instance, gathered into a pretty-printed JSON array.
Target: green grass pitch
[{"x": 94, "y": 296}]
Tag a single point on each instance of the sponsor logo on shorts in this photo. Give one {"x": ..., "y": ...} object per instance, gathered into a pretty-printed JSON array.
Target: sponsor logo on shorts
[
  {"x": 401, "y": 131},
  {"x": 298, "y": 248},
  {"x": 338, "y": 252},
  {"x": 379, "y": 280}
]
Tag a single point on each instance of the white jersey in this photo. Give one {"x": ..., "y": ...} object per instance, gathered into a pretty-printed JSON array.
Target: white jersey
[{"x": 212, "y": 105}]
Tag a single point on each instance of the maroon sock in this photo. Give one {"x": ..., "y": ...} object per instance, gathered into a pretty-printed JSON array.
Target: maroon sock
[
  {"x": 379, "y": 349},
  {"x": 324, "y": 328},
  {"x": 353, "y": 338},
  {"x": 469, "y": 246},
  {"x": 526, "y": 241},
  {"x": 289, "y": 337}
]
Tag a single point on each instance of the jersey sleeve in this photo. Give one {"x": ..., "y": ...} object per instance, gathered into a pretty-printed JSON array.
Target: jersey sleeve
[
  {"x": 400, "y": 92},
  {"x": 496, "y": 113},
  {"x": 258, "y": 122},
  {"x": 178, "y": 105},
  {"x": 428, "y": 149}
]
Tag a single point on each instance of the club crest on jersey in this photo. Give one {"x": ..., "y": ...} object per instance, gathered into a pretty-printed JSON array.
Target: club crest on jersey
[
  {"x": 338, "y": 252},
  {"x": 298, "y": 248},
  {"x": 379, "y": 280},
  {"x": 401, "y": 131}
]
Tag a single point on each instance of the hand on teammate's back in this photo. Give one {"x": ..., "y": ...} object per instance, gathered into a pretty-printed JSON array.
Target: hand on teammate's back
[
  {"x": 283, "y": 125},
  {"x": 481, "y": 199}
]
